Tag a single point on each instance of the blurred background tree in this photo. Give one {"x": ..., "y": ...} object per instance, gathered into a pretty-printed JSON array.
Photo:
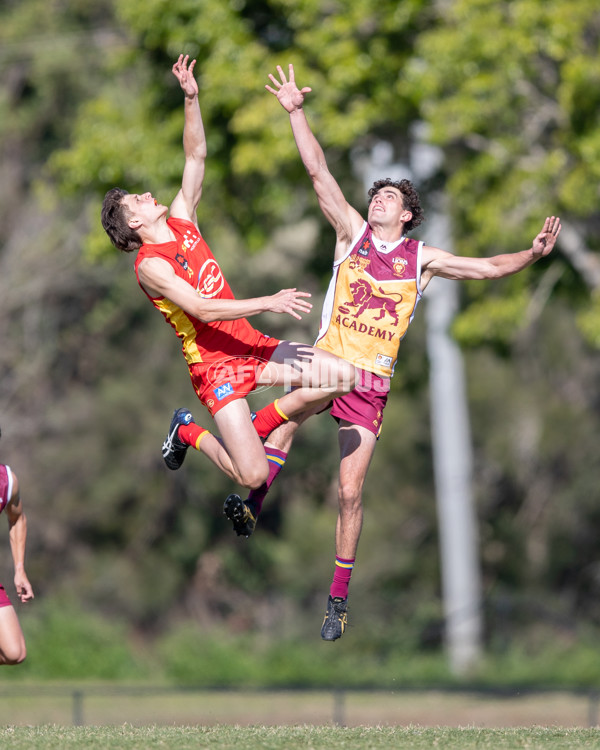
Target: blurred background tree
[{"x": 509, "y": 92}]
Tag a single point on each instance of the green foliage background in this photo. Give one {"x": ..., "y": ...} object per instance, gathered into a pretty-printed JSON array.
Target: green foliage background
[{"x": 509, "y": 92}]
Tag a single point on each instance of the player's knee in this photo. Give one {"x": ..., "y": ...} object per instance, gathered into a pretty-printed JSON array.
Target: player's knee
[
  {"x": 20, "y": 658},
  {"x": 350, "y": 377},
  {"x": 350, "y": 497},
  {"x": 254, "y": 477},
  {"x": 346, "y": 376},
  {"x": 14, "y": 654}
]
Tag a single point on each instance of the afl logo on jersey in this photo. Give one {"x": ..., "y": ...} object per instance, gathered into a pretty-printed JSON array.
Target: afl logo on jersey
[{"x": 210, "y": 279}]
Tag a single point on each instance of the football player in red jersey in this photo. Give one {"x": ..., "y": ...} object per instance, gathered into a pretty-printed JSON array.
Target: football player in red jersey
[{"x": 227, "y": 358}]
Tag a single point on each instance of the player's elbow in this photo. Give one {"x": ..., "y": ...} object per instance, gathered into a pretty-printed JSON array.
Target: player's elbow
[
  {"x": 205, "y": 315},
  {"x": 195, "y": 157},
  {"x": 312, "y": 169},
  {"x": 488, "y": 270},
  {"x": 316, "y": 169}
]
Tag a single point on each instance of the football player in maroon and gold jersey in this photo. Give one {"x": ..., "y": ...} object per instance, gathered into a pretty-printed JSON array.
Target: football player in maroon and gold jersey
[
  {"x": 12, "y": 640},
  {"x": 379, "y": 275}
]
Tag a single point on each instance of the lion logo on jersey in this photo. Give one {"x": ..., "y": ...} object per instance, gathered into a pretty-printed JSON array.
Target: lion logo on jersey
[
  {"x": 399, "y": 265},
  {"x": 364, "y": 299}
]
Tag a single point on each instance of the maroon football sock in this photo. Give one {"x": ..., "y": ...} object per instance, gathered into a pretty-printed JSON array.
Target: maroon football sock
[
  {"x": 276, "y": 459},
  {"x": 341, "y": 577}
]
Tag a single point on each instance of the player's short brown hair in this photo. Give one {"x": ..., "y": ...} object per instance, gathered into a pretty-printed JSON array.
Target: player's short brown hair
[{"x": 115, "y": 217}]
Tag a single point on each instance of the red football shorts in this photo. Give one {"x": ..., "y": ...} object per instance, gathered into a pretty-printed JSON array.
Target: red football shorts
[
  {"x": 218, "y": 383},
  {"x": 4, "y": 600},
  {"x": 365, "y": 404}
]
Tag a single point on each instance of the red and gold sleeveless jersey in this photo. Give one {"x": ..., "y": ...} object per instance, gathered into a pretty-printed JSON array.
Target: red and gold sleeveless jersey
[
  {"x": 371, "y": 301},
  {"x": 192, "y": 260}
]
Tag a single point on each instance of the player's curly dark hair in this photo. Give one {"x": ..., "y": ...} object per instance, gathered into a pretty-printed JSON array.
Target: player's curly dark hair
[
  {"x": 410, "y": 199},
  {"x": 115, "y": 217}
]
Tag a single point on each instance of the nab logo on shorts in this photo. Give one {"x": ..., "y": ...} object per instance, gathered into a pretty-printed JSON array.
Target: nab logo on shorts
[{"x": 223, "y": 391}]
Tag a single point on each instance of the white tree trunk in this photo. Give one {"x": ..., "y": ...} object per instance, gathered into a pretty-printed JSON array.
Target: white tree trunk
[{"x": 452, "y": 454}]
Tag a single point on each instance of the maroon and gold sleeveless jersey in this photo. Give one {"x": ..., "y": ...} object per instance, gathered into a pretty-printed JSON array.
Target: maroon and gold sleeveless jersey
[
  {"x": 371, "y": 301},
  {"x": 192, "y": 260},
  {"x": 6, "y": 485}
]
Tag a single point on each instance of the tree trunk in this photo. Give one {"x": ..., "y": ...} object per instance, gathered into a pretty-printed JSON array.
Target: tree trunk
[{"x": 452, "y": 453}]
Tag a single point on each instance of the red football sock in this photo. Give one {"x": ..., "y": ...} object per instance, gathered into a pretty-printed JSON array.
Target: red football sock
[
  {"x": 341, "y": 577},
  {"x": 191, "y": 434},
  {"x": 268, "y": 418},
  {"x": 276, "y": 459}
]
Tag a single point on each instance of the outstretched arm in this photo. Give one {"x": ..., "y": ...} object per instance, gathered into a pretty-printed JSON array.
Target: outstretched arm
[
  {"x": 438, "y": 262},
  {"x": 17, "y": 532},
  {"x": 160, "y": 280},
  {"x": 194, "y": 144},
  {"x": 345, "y": 220}
]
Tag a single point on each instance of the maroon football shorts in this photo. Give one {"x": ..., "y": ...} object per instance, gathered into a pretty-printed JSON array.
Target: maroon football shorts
[
  {"x": 365, "y": 404},
  {"x": 4, "y": 600}
]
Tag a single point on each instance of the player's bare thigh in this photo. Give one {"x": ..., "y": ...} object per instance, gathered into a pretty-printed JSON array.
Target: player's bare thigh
[
  {"x": 294, "y": 364},
  {"x": 357, "y": 445},
  {"x": 241, "y": 442}
]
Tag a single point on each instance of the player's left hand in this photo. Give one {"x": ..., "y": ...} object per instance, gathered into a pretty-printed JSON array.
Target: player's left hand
[
  {"x": 23, "y": 587},
  {"x": 546, "y": 239},
  {"x": 185, "y": 75}
]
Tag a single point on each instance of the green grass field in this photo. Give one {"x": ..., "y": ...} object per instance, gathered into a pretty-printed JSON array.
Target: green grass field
[
  {"x": 289, "y": 738},
  {"x": 104, "y": 716}
]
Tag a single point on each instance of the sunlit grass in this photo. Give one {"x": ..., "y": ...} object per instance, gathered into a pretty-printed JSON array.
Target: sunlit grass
[{"x": 289, "y": 738}]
